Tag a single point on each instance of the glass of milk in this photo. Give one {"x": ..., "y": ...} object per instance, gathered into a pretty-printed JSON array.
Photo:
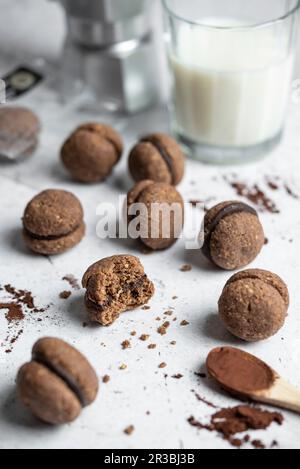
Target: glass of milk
[{"x": 232, "y": 64}]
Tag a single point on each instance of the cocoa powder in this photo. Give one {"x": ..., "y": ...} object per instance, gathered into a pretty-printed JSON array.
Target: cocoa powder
[
  {"x": 238, "y": 371},
  {"x": 19, "y": 303},
  {"x": 237, "y": 420}
]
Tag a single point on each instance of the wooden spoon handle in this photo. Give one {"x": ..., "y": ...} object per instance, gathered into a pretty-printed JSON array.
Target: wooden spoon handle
[{"x": 281, "y": 394}]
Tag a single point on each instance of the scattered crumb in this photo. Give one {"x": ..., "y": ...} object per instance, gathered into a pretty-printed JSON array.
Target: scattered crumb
[
  {"x": 126, "y": 344},
  {"x": 144, "y": 337},
  {"x": 129, "y": 430},
  {"x": 162, "y": 365},
  {"x": 105, "y": 379},
  {"x": 151, "y": 346},
  {"x": 133, "y": 333},
  {"x": 157, "y": 318},
  {"x": 201, "y": 375},
  {"x": 162, "y": 330},
  {"x": 168, "y": 313},
  {"x": 146, "y": 308},
  {"x": 72, "y": 281},
  {"x": 257, "y": 444},
  {"x": 84, "y": 324},
  {"x": 184, "y": 323},
  {"x": 166, "y": 324},
  {"x": 175, "y": 298},
  {"x": 123, "y": 367},
  {"x": 186, "y": 268},
  {"x": 177, "y": 376},
  {"x": 173, "y": 342},
  {"x": 64, "y": 295}
]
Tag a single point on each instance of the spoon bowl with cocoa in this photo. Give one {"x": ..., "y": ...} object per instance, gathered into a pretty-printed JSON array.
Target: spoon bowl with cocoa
[{"x": 246, "y": 376}]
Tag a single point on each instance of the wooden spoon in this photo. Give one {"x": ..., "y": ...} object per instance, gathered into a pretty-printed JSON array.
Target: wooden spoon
[{"x": 246, "y": 376}]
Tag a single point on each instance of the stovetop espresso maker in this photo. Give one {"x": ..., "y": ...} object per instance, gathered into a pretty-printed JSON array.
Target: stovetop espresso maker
[{"x": 109, "y": 50}]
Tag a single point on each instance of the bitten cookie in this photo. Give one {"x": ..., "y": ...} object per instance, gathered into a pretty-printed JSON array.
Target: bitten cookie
[
  {"x": 157, "y": 157},
  {"x": 233, "y": 235},
  {"x": 254, "y": 304},
  {"x": 115, "y": 285},
  {"x": 91, "y": 152},
  {"x": 53, "y": 222},
  {"x": 161, "y": 214},
  {"x": 57, "y": 383}
]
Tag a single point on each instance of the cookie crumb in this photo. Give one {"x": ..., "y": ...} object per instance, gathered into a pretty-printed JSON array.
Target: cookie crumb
[
  {"x": 152, "y": 346},
  {"x": 173, "y": 342},
  {"x": 162, "y": 365},
  {"x": 177, "y": 376},
  {"x": 146, "y": 308},
  {"x": 64, "y": 295},
  {"x": 186, "y": 268},
  {"x": 133, "y": 333},
  {"x": 125, "y": 344},
  {"x": 175, "y": 297},
  {"x": 144, "y": 337},
  {"x": 105, "y": 379},
  {"x": 123, "y": 367},
  {"x": 168, "y": 313},
  {"x": 162, "y": 330},
  {"x": 129, "y": 430},
  {"x": 184, "y": 323}
]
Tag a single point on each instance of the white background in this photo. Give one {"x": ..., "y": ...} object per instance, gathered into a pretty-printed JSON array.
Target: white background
[{"x": 36, "y": 27}]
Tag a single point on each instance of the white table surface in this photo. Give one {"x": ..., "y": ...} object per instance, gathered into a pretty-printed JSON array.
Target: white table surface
[{"x": 142, "y": 386}]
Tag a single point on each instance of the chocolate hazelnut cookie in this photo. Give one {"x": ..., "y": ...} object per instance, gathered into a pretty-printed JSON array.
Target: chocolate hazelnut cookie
[
  {"x": 53, "y": 222},
  {"x": 57, "y": 383},
  {"x": 254, "y": 304},
  {"x": 115, "y": 285},
  {"x": 160, "y": 209},
  {"x": 157, "y": 157},
  {"x": 233, "y": 235},
  {"x": 19, "y": 131},
  {"x": 91, "y": 152}
]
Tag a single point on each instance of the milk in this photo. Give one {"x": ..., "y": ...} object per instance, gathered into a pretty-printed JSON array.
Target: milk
[{"x": 231, "y": 86}]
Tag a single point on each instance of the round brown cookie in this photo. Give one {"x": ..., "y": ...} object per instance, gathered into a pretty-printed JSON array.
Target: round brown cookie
[
  {"x": 53, "y": 222},
  {"x": 157, "y": 157},
  {"x": 254, "y": 304},
  {"x": 233, "y": 235},
  {"x": 157, "y": 232},
  {"x": 91, "y": 152},
  {"x": 115, "y": 285},
  {"x": 57, "y": 383},
  {"x": 18, "y": 124}
]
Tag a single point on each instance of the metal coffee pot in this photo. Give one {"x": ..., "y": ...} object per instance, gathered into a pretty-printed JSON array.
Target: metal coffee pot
[{"x": 110, "y": 49}]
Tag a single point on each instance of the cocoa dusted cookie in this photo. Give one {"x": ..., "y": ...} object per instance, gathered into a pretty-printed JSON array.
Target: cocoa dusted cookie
[
  {"x": 19, "y": 130},
  {"x": 115, "y": 285},
  {"x": 233, "y": 235},
  {"x": 157, "y": 231},
  {"x": 53, "y": 222},
  {"x": 254, "y": 304},
  {"x": 157, "y": 157},
  {"x": 91, "y": 152},
  {"x": 57, "y": 383}
]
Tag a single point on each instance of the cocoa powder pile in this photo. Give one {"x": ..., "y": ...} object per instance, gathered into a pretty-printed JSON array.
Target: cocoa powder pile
[
  {"x": 232, "y": 421},
  {"x": 16, "y": 304}
]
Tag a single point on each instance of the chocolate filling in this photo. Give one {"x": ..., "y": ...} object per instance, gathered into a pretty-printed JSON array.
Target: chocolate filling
[
  {"x": 238, "y": 207},
  {"x": 166, "y": 157},
  {"x": 127, "y": 287},
  {"x": 50, "y": 237},
  {"x": 62, "y": 374}
]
